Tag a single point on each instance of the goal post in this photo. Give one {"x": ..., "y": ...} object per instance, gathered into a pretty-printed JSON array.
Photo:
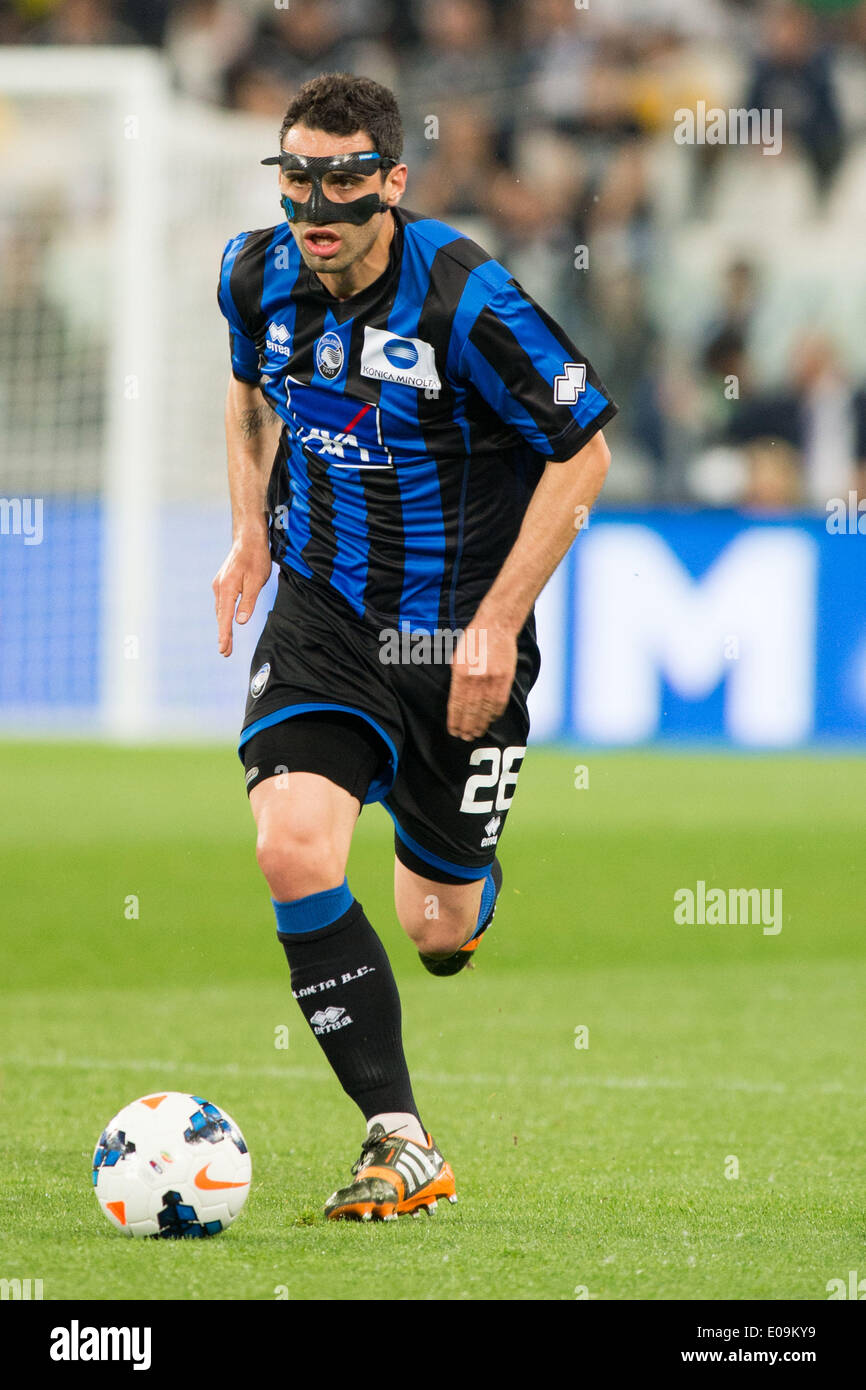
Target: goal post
[
  {"x": 117, "y": 196},
  {"x": 108, "y": 107}
]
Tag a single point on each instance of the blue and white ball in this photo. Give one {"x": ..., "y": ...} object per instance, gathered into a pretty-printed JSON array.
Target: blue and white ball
[{"x": 171, "y": 1165}]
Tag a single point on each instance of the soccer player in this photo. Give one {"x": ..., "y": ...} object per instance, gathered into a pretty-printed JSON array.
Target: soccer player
[{"x": 414, "y": 442}]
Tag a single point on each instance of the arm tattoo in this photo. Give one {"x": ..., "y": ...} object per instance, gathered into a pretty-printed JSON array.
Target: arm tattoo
[{"x": 253, "y": 421}]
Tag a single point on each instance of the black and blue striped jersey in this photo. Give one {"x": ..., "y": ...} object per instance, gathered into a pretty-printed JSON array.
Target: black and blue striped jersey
[{"x": 418, "y": 415}]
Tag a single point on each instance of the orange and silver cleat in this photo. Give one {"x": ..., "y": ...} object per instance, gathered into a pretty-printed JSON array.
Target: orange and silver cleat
[{"x": 394, "y": 1176}]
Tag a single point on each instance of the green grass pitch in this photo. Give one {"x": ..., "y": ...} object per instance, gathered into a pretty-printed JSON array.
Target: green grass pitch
[{"x": 603, "y": 1171}]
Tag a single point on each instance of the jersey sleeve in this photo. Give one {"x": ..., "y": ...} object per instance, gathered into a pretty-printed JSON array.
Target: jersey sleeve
[
  {"x": 244, "y": 353},
  {"x": 532, "y": 375}
]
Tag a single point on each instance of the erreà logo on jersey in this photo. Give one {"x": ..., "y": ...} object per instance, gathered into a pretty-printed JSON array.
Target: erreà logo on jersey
[
  {"x": 279, "y": 339},
  {"x": 406, "y": 361}
]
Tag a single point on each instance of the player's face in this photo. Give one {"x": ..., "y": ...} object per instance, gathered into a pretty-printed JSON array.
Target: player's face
[{"x": 332, "y": 247}]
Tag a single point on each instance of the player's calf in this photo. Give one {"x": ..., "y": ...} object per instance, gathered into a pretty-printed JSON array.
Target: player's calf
[
  {"x": 446, "y": 921},
  {"x": 340, "y": 973},
  {"x": 437, "y": 917}
]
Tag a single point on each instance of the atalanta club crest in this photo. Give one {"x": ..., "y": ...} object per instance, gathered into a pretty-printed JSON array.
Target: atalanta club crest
[
  {"x": 329, "y": 355},
  {"x": 260, "y": 680}
]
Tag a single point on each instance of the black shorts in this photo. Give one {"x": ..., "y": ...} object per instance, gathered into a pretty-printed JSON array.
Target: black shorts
[{"x": 449, "y": 799}]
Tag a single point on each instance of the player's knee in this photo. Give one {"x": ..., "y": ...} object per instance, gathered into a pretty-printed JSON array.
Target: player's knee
[{"x": 298, "y": 859}]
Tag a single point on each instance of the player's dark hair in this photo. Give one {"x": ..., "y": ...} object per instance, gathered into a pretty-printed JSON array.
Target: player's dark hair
[{"x": 340, "y": 103}]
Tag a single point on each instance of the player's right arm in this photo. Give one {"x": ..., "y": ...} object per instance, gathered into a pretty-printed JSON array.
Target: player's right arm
[{"x": 252, "y": 435}]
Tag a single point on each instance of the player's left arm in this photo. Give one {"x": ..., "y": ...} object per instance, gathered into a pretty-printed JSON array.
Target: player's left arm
[
  {"x": 530, "y": 374},
  {"x": 560, "y": 504}
]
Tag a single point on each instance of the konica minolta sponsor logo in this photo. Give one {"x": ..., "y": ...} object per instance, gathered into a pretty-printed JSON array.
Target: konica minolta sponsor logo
[{"x": 406, "y": 361}]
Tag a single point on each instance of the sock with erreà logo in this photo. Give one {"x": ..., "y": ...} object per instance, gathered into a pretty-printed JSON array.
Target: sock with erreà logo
[{"x": 345, "y": 987}]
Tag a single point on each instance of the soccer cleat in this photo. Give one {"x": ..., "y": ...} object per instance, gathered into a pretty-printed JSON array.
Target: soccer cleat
[
  {"x": 449, "y": 965},
  {"x": 394, "y": 1176}
]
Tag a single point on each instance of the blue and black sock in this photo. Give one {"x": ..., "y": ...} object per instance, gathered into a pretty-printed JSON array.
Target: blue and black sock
[
  {"x": 489, "y": 894},
  {"x": 345, "y": 987}
]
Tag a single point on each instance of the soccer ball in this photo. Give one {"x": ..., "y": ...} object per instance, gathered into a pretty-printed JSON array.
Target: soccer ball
[{"x": 171, "y": 1165}]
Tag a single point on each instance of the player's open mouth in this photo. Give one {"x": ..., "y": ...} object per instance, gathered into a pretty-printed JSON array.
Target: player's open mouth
[{"x": 322, "y": 242}]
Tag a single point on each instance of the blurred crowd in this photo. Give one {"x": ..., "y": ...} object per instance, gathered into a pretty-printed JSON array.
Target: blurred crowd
[{"x": 543, "y": 128}]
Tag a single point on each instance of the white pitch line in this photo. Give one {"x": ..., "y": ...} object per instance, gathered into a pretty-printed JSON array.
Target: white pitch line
[{"x": 321, "y": 1074}]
